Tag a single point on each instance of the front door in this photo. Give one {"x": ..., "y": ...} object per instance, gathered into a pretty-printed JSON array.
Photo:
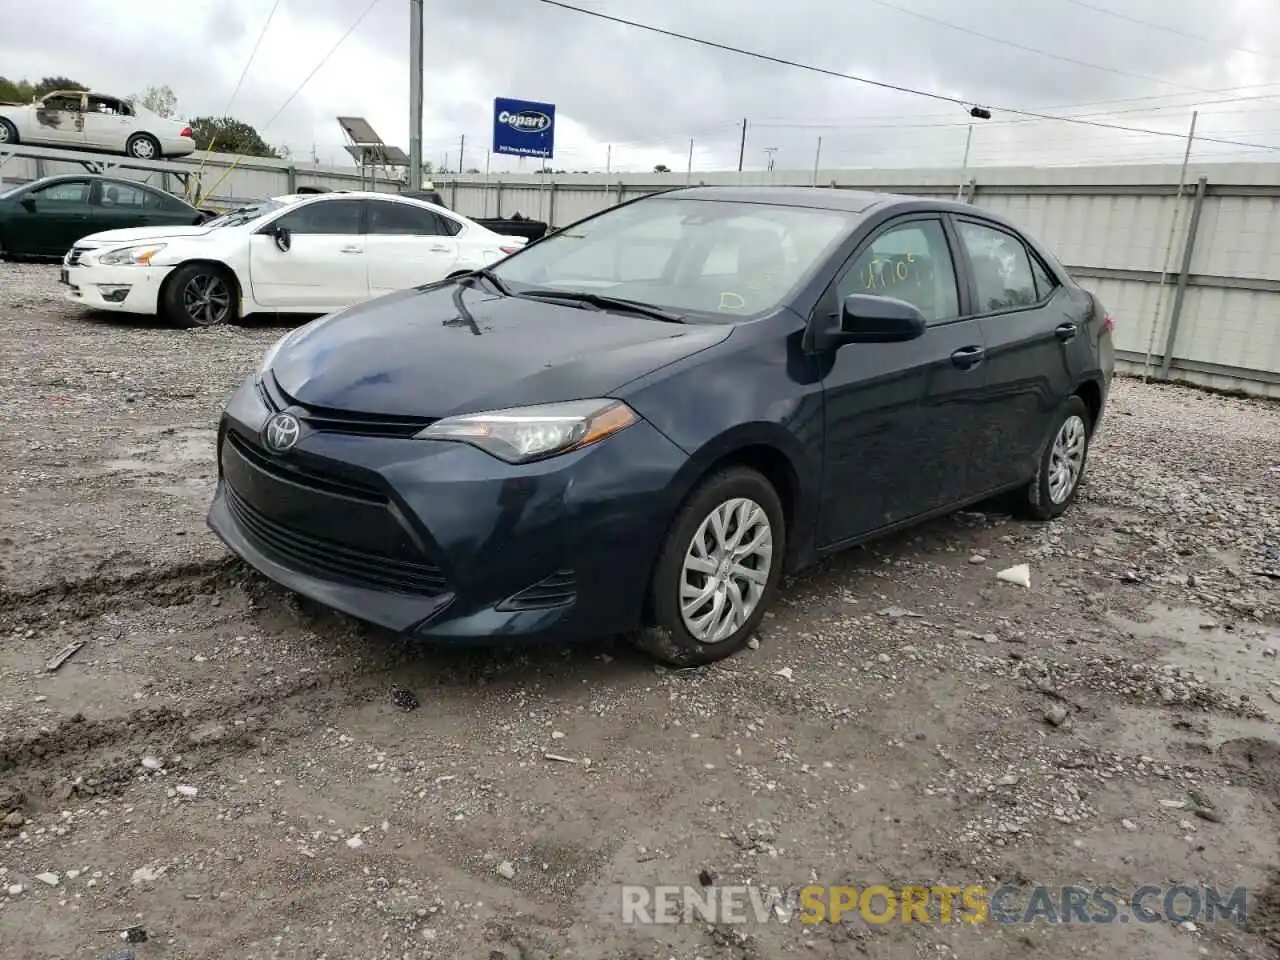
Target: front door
[
  {"x": 119, "y": 206},
  {"x": 324, "y": 267},
  {"x": 60, "y": 121},
  {"x": 900, "y": 416},
  {"x": 1027, "y": 321},
  {"x": 406, "y": 246},
  {"x": 50, "y": 219}
]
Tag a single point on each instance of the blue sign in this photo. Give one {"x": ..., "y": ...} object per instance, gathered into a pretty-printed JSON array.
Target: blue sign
[{"x": 524, "y": 128}]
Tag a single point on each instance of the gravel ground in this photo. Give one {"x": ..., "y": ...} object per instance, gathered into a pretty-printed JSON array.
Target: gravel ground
[{"x": 227, "y": 767}]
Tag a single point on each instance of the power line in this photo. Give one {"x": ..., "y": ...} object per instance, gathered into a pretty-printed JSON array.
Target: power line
[
  {"x": 1040, "y": 53},
  {"x": 884, "y": 85},
  {"x": 245, "y": 72},
  {"x": 323, "y": 60},
  {"x": 1174, "y": 30}
]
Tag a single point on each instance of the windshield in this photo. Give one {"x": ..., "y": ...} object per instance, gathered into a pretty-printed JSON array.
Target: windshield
[
  {"x": 245, "y": 214},
  {"x": 713, "y": 259}
]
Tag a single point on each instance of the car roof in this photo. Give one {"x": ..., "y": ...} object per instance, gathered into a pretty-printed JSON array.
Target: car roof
[
  {"x": 817, "y": 198},
  {"x": 104, "y": 177}
]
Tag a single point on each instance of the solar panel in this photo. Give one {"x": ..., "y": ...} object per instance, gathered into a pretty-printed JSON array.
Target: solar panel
[
  {"x": 358, "y": 130},
  {"x": 378, "y": 155}
]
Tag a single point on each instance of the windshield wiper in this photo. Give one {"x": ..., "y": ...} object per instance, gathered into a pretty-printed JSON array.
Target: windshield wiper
[
  {"x": 603, "y": 302},
  {"x": 487, "y": 274}
]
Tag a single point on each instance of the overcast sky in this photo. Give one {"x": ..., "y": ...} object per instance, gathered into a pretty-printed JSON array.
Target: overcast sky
[{"x": 648, "y": 95}]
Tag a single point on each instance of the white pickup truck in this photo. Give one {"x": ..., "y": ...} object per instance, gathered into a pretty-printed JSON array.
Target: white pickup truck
[{"x": 80, "y": 120}]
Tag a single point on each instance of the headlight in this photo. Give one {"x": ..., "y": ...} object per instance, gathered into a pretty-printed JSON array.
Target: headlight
[
  {"x": 523, "y": 434},
  {"x": 131, "y": 256}
]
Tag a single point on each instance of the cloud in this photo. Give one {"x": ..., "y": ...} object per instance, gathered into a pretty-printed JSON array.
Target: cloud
[{"x": 633, "y": 99}]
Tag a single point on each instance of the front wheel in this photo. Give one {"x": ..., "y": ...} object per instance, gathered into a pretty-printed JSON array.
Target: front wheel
[
  {"x": 717, "y": 571},
  {"x": 199, "y": 295},
  {"x": 1062, "y": 463},
  {"x": 8, "y": 133}
]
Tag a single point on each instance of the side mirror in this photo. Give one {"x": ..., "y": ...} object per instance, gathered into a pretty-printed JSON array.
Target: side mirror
[
  {"x": 282, "y": 238},
  {"x": 28, "y": 204},
  {"x": 871, "y": 319}
]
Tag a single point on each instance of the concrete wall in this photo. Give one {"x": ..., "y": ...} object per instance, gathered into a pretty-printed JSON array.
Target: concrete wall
[{"x": 1217, "y": 314}]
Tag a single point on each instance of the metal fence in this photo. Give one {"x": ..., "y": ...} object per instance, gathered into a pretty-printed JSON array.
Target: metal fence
[{"x": 1190, "y": 270}]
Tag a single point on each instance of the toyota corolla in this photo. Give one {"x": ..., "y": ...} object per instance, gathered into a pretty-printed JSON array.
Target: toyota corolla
[{"x": 638, "y": 424}]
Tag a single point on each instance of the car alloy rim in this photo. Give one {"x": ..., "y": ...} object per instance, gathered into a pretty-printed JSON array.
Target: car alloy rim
[
  {"x": 1066, "y": 459},
  {"x": 725, "y": 570},
  {"x": 4, "y": 133},
  {"x": 143, "y": 149},
  {"x": 206, "y": 299}
]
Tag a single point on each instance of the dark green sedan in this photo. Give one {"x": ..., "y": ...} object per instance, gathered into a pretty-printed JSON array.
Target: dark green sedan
[{"x": 46, "y": 217}]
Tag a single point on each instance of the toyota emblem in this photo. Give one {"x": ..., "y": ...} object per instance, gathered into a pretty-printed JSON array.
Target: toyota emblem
[{"x": 282, "y": 432}]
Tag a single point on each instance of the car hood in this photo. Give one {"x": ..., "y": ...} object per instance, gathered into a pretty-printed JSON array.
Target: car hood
[
  {"x": 140, "y": 235},
  {"x": 410, "y": 354}
]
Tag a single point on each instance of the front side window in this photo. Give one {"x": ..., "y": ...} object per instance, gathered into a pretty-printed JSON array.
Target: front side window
[
  {"x": 715, "y": 260},
  {"x": 910, "y": 262},
  {"x": 341, "y": 217},
  {"x": 70, "y": 191},
  {"x": 1001, "y": 268}
]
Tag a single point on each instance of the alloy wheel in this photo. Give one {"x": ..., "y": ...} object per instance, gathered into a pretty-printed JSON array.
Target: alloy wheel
[
  {"x": 207, "y": 299},
  {"x": 1066, "y": 459},
  {"x": 144, "y": 149},
  {"x": 726, "y": 570}
]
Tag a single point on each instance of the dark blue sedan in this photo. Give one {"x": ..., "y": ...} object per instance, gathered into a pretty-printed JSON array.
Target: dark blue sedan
[{"x": 637, "y": 424}]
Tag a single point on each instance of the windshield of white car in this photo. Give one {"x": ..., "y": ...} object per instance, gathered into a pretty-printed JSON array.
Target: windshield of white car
[
  {"x": 243, "y": 215},
  {"x": 705, "y": 260}
]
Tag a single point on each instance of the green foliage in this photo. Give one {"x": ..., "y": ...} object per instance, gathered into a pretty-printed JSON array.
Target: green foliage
[
  {"x": 161, "y": 101},
  {"x": 229, "y": 135},
  {"x": 24, "y": 91},
  {"x": 661, "y": 168}
]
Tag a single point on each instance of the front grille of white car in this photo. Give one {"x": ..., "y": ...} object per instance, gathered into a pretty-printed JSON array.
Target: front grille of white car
[{"x": 74, "y": 255}]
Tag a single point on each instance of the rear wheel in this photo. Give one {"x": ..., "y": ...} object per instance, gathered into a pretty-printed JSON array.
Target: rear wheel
[
  {"x": 718, "y": 570},
  {"x": 1062, "y": 464},
  {"x": 199, "y": 295},
  {"x": 143, "y": 146},
  {"x": 8, "y": 133}
]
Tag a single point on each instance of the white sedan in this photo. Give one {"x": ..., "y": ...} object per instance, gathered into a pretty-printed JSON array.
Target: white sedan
[
  {"x": 304, "y": 254},
  {"x": 80, "y": 120}
]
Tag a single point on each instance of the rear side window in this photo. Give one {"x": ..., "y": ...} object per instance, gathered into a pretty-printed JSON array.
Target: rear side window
[
  {"x": 1045, "y": 284},
  {"x": 1002, "y": 270},
  {"x": 403, "y": 219},
  {"x": 911, "y": 262}
]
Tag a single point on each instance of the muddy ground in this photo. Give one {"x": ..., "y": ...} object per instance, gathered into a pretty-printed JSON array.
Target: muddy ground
[{"x": 226, "y": 766}]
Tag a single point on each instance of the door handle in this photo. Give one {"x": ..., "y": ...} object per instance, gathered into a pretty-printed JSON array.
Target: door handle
[
  {"x": 968, "y": 357},
  {"x": 1066, "y": 332},
  {"x": 350, "y": 249},
  {"x": 439, "y": 249}
]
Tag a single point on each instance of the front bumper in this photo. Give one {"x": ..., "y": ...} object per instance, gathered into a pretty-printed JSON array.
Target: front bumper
[
  {"x": 123, "y": 289},
  {"x": 441, "y": 541}
]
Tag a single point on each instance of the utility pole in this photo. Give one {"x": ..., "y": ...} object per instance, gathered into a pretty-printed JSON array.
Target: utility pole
[
  {"x": 742, "y": 147},
  {"x": 462, "y": 147},
  {"x": 964, "y": 164},
  {"x": 770, "y": 151},
  {"x": 415, "y": 93},
  {"x": 608, "y": 159},
  {"x": 688, "y": 170},
  {"x": 817, "y": 155}
]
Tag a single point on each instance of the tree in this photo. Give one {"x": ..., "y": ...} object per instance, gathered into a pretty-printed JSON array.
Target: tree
[
  {"x": 228, "y": 135},
  {"x": 473, "y": 170},
  {"x": 661, "y": 168},
  {"x": 159, "y": 100},
  {"x": 23, "y": 91},
  {"x": 49, "y": 84}
]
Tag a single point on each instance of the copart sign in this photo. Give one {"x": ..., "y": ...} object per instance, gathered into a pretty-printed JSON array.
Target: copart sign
[{"x": 524, "y": 128}]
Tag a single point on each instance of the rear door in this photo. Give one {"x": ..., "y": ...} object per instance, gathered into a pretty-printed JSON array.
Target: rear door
[
  {"x": 1036, "y": 349},
  {"x": 59, "y": 121},
  {"x": 899, "y": 416},
  {"x": 324, "y": 267},
  {"x": 407, "y": 245},
  {"x": 107, "y": 123},
  {"x": 118, "y": 206}
]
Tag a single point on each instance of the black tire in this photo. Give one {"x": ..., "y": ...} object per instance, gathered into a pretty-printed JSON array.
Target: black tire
[
  {"x": 668, "y": 638},
  {"x": 191, "y": 289},
  {"x": 1042, "y": 499},
  {"x": 8, "y": 133},
  {"x": 144, "y": 142}
]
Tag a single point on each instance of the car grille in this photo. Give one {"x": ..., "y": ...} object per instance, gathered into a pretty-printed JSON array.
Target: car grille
[
  {"x": 558, "y": 590},
  {"x": 341, "y": 421},
  {"x": 75, "y": 254},
  {"x": 331, "y": 561},
  {"x": 318, "y": 522}
]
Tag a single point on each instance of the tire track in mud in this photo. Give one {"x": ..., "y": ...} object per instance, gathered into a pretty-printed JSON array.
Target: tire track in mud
[{"x": 88, "y": 597}]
